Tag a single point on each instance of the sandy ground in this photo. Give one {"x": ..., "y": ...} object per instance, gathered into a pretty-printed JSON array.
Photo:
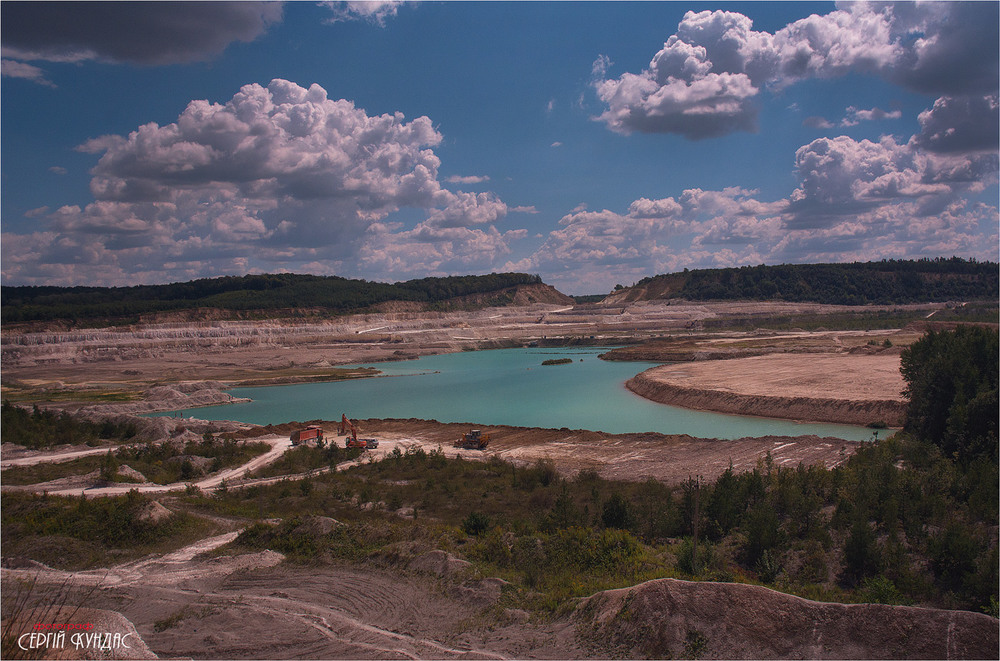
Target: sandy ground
[
  {"x": 813, "y": 375},
  {"x": 844, "y": 388},
  {"x": 253, "y": 607},
  {"x": 188, "y": 605},
  {"x": 668, "y": 458}
]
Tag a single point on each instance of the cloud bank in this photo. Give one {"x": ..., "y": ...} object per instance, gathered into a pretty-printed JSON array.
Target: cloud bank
[
  {"x": 276, "y": 178},
  {"x": 705, "y": 80},
  {"x": 146, "y": 33}
]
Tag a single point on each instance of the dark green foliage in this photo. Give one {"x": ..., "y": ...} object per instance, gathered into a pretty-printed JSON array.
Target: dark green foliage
[
  {"x": 885, "y": 282},
  {"x": 250, "y": 292},
  {"x": 880, "y": 590},
  {"x": 109, "y": 467},
  {"x": 952, "y": 381},
  {"x": 40, "y": 429},
  {"x": 896, "y": 522},
  {"x": 953, "y": 555},
  {"x": 564, "y": 513},
  {"x": 861, "y": 553},
  {"x": 153, "y": 460},
  {"x": 686, "y": 559},
  {"x": 476, "y": 524},
  {"x": 32, "y": 521},
  {"x": 763, "y": 533},
  {"x": 617, "y": 512}
]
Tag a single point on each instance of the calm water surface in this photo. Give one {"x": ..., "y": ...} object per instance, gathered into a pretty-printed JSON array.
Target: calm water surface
[{"x": 504, "y": 387}]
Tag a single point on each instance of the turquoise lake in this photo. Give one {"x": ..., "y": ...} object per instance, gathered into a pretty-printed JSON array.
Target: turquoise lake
[{"x": 504, "y": 387}]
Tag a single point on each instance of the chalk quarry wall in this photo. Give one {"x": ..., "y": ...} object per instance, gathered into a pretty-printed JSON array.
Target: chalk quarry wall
[{"x": 844, "y": 411}]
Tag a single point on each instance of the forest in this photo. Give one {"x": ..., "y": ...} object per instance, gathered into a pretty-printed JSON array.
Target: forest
[
  {"x": 858, "y": 283},
  {"x": 240, "y": 293},
  {"x": 42, "y": 428}
]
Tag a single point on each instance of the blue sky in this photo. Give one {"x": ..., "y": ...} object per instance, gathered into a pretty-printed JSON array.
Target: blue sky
[{"x": 592, "y": 143}]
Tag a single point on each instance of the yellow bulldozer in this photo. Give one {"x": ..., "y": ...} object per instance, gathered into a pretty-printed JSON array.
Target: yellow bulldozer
[{"x": 474, "y": 440}]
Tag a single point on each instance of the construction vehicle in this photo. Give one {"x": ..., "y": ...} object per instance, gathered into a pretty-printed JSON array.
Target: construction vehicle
[
  {"x": 310, "y": 433},
  {"x": 474, "y": 440},
  {"x": 355, "y": 442}
]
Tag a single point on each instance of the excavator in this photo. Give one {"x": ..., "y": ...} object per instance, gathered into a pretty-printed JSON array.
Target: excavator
[
  {"x": 354, "y": 441},
  {"x": 474, "y": 440}
]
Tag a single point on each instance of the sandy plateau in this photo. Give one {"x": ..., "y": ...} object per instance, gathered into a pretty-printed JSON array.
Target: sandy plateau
[
  {"x": 852, "y": 389},
  {"x": 428, "y": 604}
]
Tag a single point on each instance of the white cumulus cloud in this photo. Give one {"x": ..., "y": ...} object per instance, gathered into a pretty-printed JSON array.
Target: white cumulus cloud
[
  {"x": 279, "y": 175},
  {"x": 704, "y": 80}
]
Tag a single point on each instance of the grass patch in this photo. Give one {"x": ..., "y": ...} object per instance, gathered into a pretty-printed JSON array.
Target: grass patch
[
  {"x": 312, "y": 376},
  {"x": 20, "y": 393},
  {"x": 80, "y": 533},
  {"x": 557, "y": 361}
]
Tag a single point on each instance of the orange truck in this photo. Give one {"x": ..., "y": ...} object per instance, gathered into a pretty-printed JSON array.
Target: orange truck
[{"x": 310, "y": 433}]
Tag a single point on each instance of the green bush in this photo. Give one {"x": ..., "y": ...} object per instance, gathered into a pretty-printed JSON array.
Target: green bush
[
  {"x": 476, "y": 524},
  {"x": 617, "y": 513}
]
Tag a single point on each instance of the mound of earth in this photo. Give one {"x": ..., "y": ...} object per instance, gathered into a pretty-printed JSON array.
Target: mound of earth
[
  {"x": 440, "y": 563},
  {"x": 669, "y": 618}
]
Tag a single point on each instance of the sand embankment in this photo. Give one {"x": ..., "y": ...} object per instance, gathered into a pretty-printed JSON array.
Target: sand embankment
[{"x": 840, "y": 388}]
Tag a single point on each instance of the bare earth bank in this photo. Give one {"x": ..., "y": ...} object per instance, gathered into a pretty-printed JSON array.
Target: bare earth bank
[
  {"x": 254, "y": 606},
  {"x": 843, "y": 388}
]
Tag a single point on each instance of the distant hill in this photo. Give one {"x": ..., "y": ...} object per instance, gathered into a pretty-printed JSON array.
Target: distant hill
[
  {"x": 268, "y": 294},
  {"x": 857, "y": 283}
]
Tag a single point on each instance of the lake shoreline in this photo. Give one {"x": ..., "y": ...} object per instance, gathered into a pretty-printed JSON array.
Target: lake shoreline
[{"x": 511, "y": 387}]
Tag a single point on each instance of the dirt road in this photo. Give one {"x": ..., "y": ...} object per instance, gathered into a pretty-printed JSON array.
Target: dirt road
[{"x": 32, "y": 458}]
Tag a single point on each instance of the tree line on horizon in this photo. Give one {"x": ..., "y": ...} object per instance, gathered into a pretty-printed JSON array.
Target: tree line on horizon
[
  {"x": 241, "y": 293},
  {"x": 857, "y": 283}
]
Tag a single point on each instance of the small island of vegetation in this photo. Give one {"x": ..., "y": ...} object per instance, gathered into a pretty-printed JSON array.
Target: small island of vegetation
[{"x": 557, "y": 361}]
